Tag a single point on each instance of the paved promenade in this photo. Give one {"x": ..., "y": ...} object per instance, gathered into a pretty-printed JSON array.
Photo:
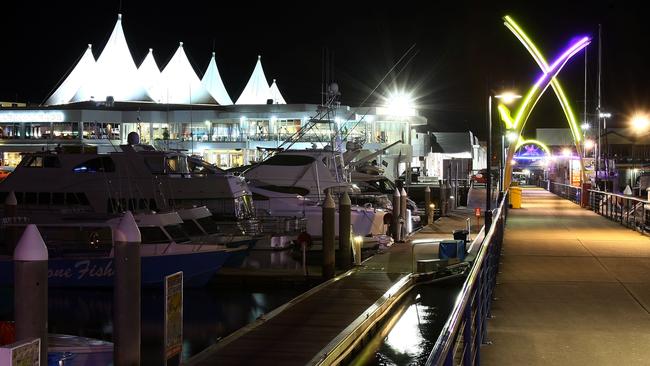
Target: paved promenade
[{"x": 574, "y": 289}]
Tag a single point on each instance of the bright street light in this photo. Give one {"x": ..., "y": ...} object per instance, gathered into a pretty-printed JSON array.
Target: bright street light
[
  {"x": 508, "y": 97},
  {"x": 511, "y": 136},
  {"x": 605, "y": 115},
  {"x": 640, "y": 122},
  {"x": 400, "y": 104},
  {"x": 585, "y": 126},
  {"x": 566, "y": 152},
  {"x": 589, "y": 144}
]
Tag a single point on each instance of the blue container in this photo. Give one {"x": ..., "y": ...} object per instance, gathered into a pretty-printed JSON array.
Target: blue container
[{"x": 452, "y": 249}]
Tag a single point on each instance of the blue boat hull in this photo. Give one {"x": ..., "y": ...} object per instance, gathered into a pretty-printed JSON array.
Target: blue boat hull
[{"x": 197, "y": 269}]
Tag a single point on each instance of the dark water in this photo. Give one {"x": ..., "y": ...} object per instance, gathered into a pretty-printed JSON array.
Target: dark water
[
  {"x": 209, "y": 314},
  {"x": 408, "y": 336}
]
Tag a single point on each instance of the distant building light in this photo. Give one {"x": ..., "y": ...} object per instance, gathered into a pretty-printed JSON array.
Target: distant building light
[
  {"x": 585, "y": 126},
  {"x": 605, "y": 115}
]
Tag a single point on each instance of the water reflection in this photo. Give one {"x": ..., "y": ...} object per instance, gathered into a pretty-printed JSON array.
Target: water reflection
[
  {"x": 209, "y": 314},
  {"x": 408, "y": 336}
]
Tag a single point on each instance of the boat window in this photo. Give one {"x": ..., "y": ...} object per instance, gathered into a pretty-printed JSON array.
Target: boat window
[
  {"x": 287, "y": 189},
  {"x": 101, "y": 164},
  {"x": 177, "y": 233},
  {"x": 155, "y": 164},
  {"x": 289, "y": 160},
  {"x": 382, "y": 185},
  {"x": 44, "y": 198},
  {"x": 57, "y": 198},
  {"x": 71, "y": 199},
  {"x": 153, "y": 235},
  {"x": 191, "y": 227},
  {"x": 172, "y": 165},
  {"x": 41, "y": 161},
  {"x": 30, "y": 198},
  {"x": 66, "y": 241},
  {"x": 209, "y": 225}
]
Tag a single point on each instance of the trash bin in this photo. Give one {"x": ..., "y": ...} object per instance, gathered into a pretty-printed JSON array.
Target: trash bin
[
  {"x": 515, "y": 197},
  {"x": 452, "y": 249}
]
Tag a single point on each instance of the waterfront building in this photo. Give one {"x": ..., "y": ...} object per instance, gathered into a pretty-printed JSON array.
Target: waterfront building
[{"x": 102, "y": 100}]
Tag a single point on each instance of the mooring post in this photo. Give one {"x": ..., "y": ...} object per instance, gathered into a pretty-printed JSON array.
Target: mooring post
[
  {"x": 427, "y": 203},
  {"x": 126, "y": 294},
  {"x": 345, "y": 222},
  {"x": 30, "y": 288},
  {"x": 397, "y": 197},
  {"x": 329, "y": 214},
  {"x": 403, "y": 208}
]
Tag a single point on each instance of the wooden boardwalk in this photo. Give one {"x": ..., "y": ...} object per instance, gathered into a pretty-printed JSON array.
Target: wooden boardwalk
[
  {"x": 298, "y": 332},
  {"x": 574, "y": 289}
]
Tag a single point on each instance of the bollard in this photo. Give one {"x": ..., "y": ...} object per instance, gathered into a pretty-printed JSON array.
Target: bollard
[
  {"x": 126, "y": 294},
  {"x": 396, "y": 211},
  {"x": 427, "y": 204},
  {"x": 30, "y": 288},
  {"x": 402, "y": 214},
  {"x": 329, "y": 213},
  {"x": 345, "y": 222}
]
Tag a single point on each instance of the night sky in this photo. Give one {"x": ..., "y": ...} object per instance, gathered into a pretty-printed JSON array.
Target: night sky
[{"x": 460, "y": 49}]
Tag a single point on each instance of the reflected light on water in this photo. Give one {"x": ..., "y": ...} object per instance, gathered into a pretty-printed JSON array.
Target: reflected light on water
[{"x": 405, "y": 337}]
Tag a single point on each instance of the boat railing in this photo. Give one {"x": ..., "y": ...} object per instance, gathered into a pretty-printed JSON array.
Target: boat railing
[
  {"x": 266, "y": 225},
  {"x": 466, "y": 328}
]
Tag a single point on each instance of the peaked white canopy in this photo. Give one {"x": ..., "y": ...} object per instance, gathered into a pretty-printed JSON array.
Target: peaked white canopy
[
  {"x": 179, "y": 83},
  {"x": 257, "y": 90},
  {"x": 275, "y": 94},
  {"x": 74, "y": 80},
  {"x": 115, "y": 73},
  {"x": 149, "y": 74},
  {"x": 214, "y": 85}
]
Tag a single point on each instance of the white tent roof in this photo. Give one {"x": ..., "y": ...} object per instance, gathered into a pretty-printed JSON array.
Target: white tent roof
[
  {"x": 149, "y": 74},
  {"x": 179, "y": 83},
  {"x": 73, "y": 81},
  {"x": 275, "y": 94},
  {"x": 257, "y": 90},
  {"x": 214, "y": 85},
  {"x": 115, "y": 73}
]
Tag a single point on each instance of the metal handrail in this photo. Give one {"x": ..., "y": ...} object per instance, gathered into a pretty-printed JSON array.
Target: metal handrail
[{"x": 462, "y": 312}]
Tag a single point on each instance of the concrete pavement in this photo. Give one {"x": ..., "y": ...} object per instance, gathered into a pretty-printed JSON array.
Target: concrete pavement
[{"x": 574, "y": 289}]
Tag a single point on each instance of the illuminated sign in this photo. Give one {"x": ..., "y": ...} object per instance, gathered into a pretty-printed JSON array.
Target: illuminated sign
[{"x": 32, "y": 116}]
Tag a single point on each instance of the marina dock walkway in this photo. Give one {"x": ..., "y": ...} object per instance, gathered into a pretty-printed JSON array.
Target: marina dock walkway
[
  {"x": 574, "y": 289},
  {"x": 298, "y": 332}
]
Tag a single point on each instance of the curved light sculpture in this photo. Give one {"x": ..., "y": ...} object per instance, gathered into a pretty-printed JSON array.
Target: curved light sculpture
[
  {"x": 549, "y": 72},
  {"x": 542, "y": 145}
]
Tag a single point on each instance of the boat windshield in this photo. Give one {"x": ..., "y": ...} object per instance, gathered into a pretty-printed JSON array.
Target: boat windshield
[
  {"x": 208, "y": 225},
  {"x": 177, "y": 233},
  {"x": 192, "y": 228},
  {"x": 153, "y": 235}
]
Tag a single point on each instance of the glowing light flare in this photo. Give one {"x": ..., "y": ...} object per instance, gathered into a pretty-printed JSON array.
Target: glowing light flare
[
  {"x": 640, "y": 122},
  {"x": 504, "y": 112},
  {"x": 585, "y": 126},
  {"x": 589, "y": 144},
  {"x": 511, "y": 136},
  {"x": 508, "y": 97},
  {"x": 566, "y": 152},
  {"x": 400, "y": 104}
]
